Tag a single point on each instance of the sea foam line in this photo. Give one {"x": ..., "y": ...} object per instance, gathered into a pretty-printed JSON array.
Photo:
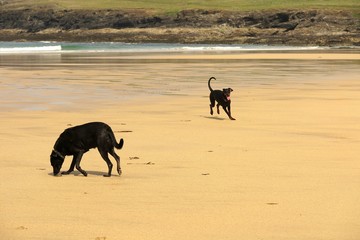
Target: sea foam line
[{"x": 30, "y": 49}]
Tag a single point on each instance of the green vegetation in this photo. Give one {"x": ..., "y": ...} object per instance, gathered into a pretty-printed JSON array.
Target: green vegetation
[{"x": 171, "y": 6}]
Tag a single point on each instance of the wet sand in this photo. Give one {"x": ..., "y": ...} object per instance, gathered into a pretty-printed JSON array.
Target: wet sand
[{"x": 287, "y": 168}]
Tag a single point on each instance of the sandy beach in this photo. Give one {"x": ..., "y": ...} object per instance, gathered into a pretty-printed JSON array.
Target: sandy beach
[{"x": 287, "y": 168}]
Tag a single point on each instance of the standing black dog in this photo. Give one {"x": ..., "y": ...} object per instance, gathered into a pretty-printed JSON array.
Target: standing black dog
[
  {"x": 222, "y": 98},
  {"x": 79, "y": 139}
]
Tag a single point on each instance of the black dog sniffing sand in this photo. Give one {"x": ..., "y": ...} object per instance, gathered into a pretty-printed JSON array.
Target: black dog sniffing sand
[
  {"x": 78, "y": 140},
  {"x": 222, "y": 97}
]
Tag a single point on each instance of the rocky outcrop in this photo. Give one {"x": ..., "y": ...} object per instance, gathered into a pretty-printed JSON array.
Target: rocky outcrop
[{"x": 292, "y": 27}]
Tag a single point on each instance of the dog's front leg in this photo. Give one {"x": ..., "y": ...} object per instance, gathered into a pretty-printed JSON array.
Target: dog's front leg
[
  {"x": 228, "y": 112},
  {"x": 72, "y": 166},
  {"x": 77, "y": 163}
]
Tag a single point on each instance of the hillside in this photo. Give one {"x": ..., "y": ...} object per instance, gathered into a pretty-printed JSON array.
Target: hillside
[{"x": 303, "y": 26}]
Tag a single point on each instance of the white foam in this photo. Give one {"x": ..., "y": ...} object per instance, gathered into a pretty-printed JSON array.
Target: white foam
[
  {"x": 212, "y": 48},
  {"x": 246, "y": 48},
  {"x": 30, "y": 49}
]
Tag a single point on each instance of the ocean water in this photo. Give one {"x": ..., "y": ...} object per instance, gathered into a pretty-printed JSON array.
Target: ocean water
[{"x": 48, "y": 47}]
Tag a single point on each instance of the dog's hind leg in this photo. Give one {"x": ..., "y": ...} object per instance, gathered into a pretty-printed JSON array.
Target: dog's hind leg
[
  {"x": 72, "y": 166},
  {"x": 117, "y": 158},
  {"x": 212, "y": 104},
  {"x": 104, "y": 155},
  {"x": 218, "y": 110}
]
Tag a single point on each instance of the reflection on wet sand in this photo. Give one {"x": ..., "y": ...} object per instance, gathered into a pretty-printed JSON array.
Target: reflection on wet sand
[{"x": 62, "y": 79}]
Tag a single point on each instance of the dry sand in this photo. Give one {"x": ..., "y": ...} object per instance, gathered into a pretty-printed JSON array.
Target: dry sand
[{"x": 287, "y": 168}]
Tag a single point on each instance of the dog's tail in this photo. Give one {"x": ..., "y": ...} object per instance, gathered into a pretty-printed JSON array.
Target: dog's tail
[
  {"x": 113, "y": 139},
  {"x": 209, "y": 83},
  {"x": 120, "y": 144}
]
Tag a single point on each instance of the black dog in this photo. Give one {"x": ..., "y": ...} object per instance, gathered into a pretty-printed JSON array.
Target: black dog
[
  {"x": 222, "y": 98},
  {"x": 79, "y": 139}
]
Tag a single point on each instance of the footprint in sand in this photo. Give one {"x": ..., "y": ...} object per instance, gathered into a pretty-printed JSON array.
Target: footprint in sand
[
  {"x": 145, "y": 163},
  {"x": 22, "y": 228}
]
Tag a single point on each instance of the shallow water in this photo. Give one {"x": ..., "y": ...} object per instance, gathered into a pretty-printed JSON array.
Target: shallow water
[{"x": 41, "y": 81}]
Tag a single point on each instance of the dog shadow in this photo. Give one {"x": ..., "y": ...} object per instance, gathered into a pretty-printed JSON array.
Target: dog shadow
[
  {"x": 214, "y": 118},
  {"x": 76, "y": 173}
]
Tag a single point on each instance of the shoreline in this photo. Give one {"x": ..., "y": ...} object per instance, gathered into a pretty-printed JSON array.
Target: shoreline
[
  {"x": 178, "y": 51},
  {"x": 246, "y": 55}
]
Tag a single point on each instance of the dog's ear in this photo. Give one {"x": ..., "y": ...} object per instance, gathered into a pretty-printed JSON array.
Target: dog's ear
[{"x": 227, "y": 90}]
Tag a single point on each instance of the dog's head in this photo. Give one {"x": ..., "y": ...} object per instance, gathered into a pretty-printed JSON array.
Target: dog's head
[
  {"x": 56, "y": 160},
  {"x": 227, "y": 92}
]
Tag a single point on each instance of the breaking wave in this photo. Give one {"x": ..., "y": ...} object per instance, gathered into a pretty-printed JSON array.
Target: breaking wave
[{"x": 50, "y": 47}]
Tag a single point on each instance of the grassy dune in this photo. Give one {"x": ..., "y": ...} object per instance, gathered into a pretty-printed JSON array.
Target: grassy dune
[{"x": 169, "y": 6}]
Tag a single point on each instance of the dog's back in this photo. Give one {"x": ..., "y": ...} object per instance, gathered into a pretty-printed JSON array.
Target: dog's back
[{"x": 86, "y": 135}]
